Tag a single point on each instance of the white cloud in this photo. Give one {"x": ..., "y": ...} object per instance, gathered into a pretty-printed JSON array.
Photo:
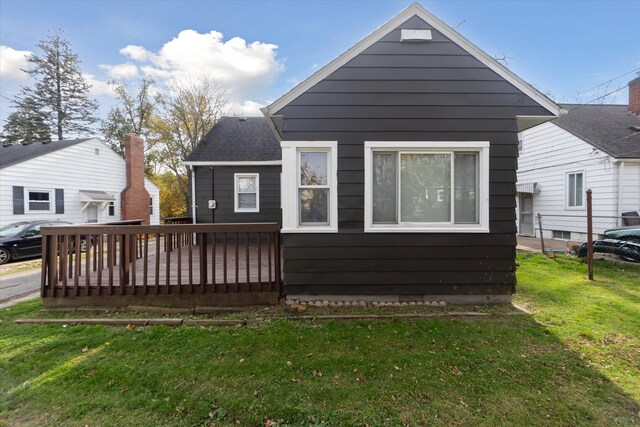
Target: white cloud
[
  {"x": 136, "y": 52},
  {"x": 12, "y": 62},
  {"x": 249, "y": 109},
  {"x": 121, "y": 71},
  {"x": 246, "y": 69},
  {"x": 98, "y": 87}
]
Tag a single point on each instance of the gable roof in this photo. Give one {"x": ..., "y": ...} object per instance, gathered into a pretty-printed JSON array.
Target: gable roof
[
  {"x": 236, "y": 139},
  {"x": 606, "y": 127},
  {"x": 414, "y": 10},
  {"x": 18, "y": 153}
]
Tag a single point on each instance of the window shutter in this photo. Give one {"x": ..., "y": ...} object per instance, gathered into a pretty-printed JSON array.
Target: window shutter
[
  {"x": 18, "y": 200},
  {"x": 59, "y": 200}
]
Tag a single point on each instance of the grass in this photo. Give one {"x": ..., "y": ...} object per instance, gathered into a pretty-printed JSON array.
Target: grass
[{"x": 570, "y": 362}]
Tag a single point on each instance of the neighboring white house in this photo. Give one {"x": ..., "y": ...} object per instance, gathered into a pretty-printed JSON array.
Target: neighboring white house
[
  {"x": 592, "y": 146},
  {"x": 78, "y": 181}
]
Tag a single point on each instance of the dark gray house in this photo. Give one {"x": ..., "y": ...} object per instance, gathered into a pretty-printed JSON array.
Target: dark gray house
[
  {"x": 235, "y": 173},
  {"x": 399, "y": 168}
]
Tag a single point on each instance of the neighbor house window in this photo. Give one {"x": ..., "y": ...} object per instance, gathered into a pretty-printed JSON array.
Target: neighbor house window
[
  {"x": 39, "y": 200},
  {"x": 575, "y": 190},
  {"x": 309, "y": 186},
  {"x": 560, "y": 234},
  {"x": 426, "y": 186},
  {"x": 111, "y": 208},
  {"x": 150, "y": 205},
  {"x": 247, "y": 192}
]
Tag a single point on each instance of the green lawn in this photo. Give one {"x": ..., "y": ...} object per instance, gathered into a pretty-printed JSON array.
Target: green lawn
[{"x": 574, "y": 361}]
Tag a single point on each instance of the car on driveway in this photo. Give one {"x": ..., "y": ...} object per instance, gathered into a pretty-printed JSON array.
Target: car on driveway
[
  {"x": 630, "y": 233},
  {"x": 23, "y": 240},
  {"x": 625, "y": 249}
]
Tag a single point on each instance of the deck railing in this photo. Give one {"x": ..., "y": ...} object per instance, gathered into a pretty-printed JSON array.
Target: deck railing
[{"x": 107, "y": 260}]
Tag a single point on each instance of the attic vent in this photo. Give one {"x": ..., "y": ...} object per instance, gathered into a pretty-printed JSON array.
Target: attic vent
[
  {"x": 415, "y": 35},
  {"x": 243, "y": 119},
  {"x": 635, "y": 128}
]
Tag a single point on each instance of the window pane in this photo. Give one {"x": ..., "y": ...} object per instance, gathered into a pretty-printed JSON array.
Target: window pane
[
  {"x": 425, "y": 187},
  {"x": 313, "y": 168},
  {"x": 246, "y": 184},
  {"x": 579, "y": 189},
  {"x": 314, "y": 206},
  {"x": 466, "y": 188},
  {"x": 38, "y": 196},
  {"x": 247, "y": 200},
  {"x": 38, "y": 206},
  {"x": 384, "y": 188},
  {"x": 572, "y": 189}
]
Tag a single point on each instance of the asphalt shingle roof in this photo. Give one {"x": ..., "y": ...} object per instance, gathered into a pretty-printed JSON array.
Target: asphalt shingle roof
[
  {"x": 235, "y": 139},
  {"x": 18, "y": 153},
  {"x": 606, "y": 127}
]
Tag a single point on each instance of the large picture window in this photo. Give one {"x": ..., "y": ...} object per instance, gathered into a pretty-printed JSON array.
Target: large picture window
[
  {"x": 39, "y": 200},
  {"x": 426, "y": 186},
  {"x": 309, "y": 197},
  {"x": 247, "y": 192},
  {"x": 575, "y": 190}
]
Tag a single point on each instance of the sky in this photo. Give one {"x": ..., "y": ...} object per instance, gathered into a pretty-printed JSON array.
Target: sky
[{"x": 261, "y": 49}]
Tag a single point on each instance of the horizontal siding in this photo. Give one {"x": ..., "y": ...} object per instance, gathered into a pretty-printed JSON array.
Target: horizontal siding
[
  {"x": 217, "y": 184},
  {"x": 631, "y": 187},
  {"x": 397, "y": 91},
  {"x": 548, "y": 153},
  {"x": 72, "y": 169}
]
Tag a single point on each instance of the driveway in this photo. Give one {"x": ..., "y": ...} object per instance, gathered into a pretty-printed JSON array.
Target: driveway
[{"x": 16, "y": 284}]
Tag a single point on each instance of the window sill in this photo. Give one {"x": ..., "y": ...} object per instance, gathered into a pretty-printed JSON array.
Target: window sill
[
  {"x": 418, "y": 229},
  {"x": 310, "y": 230},
  {"x": 247, "y": 211}
]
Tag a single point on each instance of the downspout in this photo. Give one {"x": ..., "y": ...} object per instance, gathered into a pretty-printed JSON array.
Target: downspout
[
  {"x": 620, "y": 192},
  {"x": 193, "y": 199},
  {"x": 193, "y": 194}
]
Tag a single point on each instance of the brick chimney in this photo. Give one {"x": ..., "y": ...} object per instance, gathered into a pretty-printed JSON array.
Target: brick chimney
[
  {"x": 134, "y": 199},
  {"x": 634, "y": 96}
]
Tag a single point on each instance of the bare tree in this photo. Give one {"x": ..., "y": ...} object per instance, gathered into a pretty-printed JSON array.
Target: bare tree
[
  {"x": 131, "y": 115},
  {"x": 186, "y": 112}
]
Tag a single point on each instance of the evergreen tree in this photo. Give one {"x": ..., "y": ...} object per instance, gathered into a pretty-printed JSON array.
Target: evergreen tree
[
  {"x": 60, "y": 91},
  {"x": 26, "y": 124}
]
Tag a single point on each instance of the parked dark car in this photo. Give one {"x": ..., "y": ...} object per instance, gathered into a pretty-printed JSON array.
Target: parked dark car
[
  {"x": 630, "y": 233},
  {"x": 626, "y": 250},
  {"x": 23, "y": 240}
]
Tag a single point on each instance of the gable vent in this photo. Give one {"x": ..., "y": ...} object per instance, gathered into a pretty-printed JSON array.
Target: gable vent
[{"x": 415, "y": 35}]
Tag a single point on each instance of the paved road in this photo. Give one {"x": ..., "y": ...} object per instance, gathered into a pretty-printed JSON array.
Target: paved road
[{"x": 13, "y": 285}]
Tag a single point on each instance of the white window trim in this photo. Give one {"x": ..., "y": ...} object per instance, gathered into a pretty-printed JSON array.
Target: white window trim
[
  {"x": 236, "y": 201},
  {"x": 482, "y": 147},
  {"x": 289, "y": 186},
  {"x": 583, "y": 206},
  {"x": 39, "y": 190}
]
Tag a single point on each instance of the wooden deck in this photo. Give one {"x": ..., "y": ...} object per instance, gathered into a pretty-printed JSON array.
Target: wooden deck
[{"x": 135, "y": 264}]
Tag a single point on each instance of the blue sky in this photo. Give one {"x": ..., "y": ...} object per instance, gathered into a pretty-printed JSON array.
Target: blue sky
[{"x": 563, "y": 47}]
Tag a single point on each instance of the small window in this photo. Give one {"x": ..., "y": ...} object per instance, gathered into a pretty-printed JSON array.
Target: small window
[
  {"x": 560, "y": 234},
  {"x": 575, "y": 190},
  {"x": 309, "y": 187},
  {"x": 313, "y": 188},
  {"x": 247, "y": 192},
  {"x": 111, "y": 209},
  {"x": 150, "y": 205},
  {"x": 39, "y": 201}
]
